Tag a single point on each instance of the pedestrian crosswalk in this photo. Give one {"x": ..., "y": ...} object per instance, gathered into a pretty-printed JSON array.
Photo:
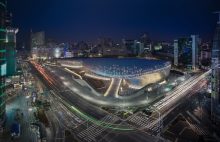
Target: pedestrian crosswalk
[
  {"x": 142, "y": 121},
  {"x": 92, "y": 132}
]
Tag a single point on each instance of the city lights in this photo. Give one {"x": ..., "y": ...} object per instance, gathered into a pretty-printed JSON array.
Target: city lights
[{"x": 109, "y": 71}]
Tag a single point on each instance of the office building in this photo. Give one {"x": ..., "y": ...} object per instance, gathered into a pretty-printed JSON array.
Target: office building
[
  {"x": 145, "y": 39},
  {"x": 128, "y": 45},
  {"x": 38, "y": 43},
  {"x": 186, "y": 52},
  {"x": 176, "y": 53},
  {"x": 10, "y": 45},
  {"x": 215, "y": 81},
  {"x": 138, "y": 47},
  {"x": 2, "y": 61},
  {"x": 195, "y": 51},
  {"x": 133, "y": 47},
  {"x": 183, "y": 52},
  {"x": 205, "y": 55},
  {"x": 205, "y": 52}
]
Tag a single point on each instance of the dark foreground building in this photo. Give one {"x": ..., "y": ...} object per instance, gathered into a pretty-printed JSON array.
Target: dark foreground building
[
  {"x": 2, "y": 61},
  {"x": 10, "y": 45},
  {"x": 215, "y": 104}
]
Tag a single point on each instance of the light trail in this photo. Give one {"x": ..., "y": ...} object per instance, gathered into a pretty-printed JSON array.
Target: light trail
[
  {"x": 87, "y": 117},
  {"x": 177, "y": 94},
  {"x": 174, "y": 96},
  {"x": 169, "y": 109},
  {"x": 92, "y": 119},
  {"x": 172, "y": 93}
]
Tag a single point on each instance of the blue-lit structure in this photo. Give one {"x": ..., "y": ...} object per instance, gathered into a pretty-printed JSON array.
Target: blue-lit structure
[
  {"x": 186, "y": 52},
  {"x": 135, "y": 72},
  {"x": 123, "y": 67},
  {"x": 133, "y": 75}
]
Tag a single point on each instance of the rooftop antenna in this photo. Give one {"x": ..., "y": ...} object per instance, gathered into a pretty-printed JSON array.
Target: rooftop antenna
[{"x": 218, "y": 12}]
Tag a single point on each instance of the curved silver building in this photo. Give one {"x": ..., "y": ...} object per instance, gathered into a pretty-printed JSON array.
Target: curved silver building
[
  {"x": 134, "y": 71},
  {"x": 122, "y": 80}
]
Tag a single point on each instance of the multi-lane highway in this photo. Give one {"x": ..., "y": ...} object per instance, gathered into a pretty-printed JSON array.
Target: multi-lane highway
[
  {"x": 180, "y": 91},
  {"x": 169, "y": 103},
  {"x": 98, "y": 118},
  {"x": 68, "y": 90}
]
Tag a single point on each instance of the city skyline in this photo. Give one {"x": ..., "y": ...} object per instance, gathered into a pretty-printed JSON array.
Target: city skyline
[
  {"x": 110, "y": 71},
  {"x": 83, "y": 20}
]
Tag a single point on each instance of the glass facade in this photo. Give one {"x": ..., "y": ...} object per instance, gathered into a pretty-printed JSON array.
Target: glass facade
[
  {"x": 183, "y": 52},
  {"x": 216, "y": 73},
  {"x": 10, "y": 52},
  {"x": 186, "y": 52},
  {"x": 2, "y": 59}
]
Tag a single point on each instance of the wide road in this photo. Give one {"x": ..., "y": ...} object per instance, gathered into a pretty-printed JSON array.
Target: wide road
[
  {"x": 90, "y": 132},
  {"x": 166, "y": 105},
  {"x": 69, "y": 90},
  {"x": 70, "y": 96}
]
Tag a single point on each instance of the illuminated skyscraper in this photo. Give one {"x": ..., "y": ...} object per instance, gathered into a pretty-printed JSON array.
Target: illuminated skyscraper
[
  {"x": 11, "y": 50},
  {"x": 186, "y": 52},
  {"x": 37, "y": 43},
  {"x": 183, "y": 52},
  {"x": 138, "y": 47},
  {"x": 176, "y": 53},
  {"x": 216, "y": 75},
  {"x": 2, "y": 61},
  {"x": 195, "y": 51},
  {"x": 10, "y": 45}
]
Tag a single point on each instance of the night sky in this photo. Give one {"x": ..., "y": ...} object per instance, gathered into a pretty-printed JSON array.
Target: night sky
[{"x": 74, "y": 20}]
